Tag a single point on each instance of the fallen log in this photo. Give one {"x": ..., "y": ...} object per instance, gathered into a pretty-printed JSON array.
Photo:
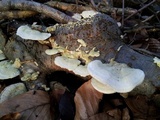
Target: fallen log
[{"x": 100, "y": 32}]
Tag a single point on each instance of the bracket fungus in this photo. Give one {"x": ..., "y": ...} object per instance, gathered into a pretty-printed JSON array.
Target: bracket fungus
[
  {"x": 117, "y": 77},
  {"x": 103, "y": 88},
  {"x": 11, "y": 91},
  {"x": 89, "y": 13},
  {"x": 7, "y": 70},
  {"x": 2, "y": 56},
  {"x": 71, "y": 64},
  {"x": 52, "y": 51},
  {"x": 26, "y": 32}
]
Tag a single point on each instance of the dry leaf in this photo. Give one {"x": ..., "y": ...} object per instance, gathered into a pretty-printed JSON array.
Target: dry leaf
[
  {"x": 115, "y": 113},
  {"x": 101, "y": 116},
  {"x": 32, "y": 105},
  {"x": 67, "y": 106},
  {"x": 87, "y": 101},
  {"x": 63, "y": 100},
  {"x": 11, "y": 116},
  {"x": 154, "y": 45},
  {"x": 57, "y": 90},
  {"x": 142, "y": 107},
  {"x": 125, "y": 114}
]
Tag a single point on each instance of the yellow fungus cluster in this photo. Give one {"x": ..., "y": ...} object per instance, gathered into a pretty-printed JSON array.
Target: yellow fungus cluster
[{"x": 77, "y": 54}]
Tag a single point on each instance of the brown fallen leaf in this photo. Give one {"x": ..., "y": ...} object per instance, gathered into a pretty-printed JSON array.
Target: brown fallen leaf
[
  {"x": 142, "y": 107},
  {"x": 57, "y": 90},
  {"x": 115, "y": 113},
  {"x": 125, "y": 114},
  {"x": 32, "y": 105},
  {"x": 87, "y": 101},
  {"x": 153, "y": 45},
  {"x": 101, "y": 116},
  {"x": 11, "y": 116}
]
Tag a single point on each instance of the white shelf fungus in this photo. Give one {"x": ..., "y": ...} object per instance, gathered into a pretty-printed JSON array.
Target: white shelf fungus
[
  {"x": 103, "y": 88},
  {"x": 11, "y": 91},
  {"x": 117, "y": 76},
  {"x": 7, "y": 70},
  {"x": 52, "y": 51},
  {"x": 88, "y": 13},
  {"x": 67, "y": 63},
  {"x": 71, "y": 64},
  {"x": 81, "y": 70},
  {"x": 26, "y": 32},
  {"x": 2, "y": 56},
  {"x": 157, "y": 61},
  {"x": 77, "y": 16}
]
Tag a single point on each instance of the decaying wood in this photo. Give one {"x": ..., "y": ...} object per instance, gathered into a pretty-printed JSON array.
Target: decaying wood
[{"x": 101, "y": 32}]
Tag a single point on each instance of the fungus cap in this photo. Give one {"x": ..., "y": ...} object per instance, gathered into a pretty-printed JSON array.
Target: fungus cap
[
  {"x": 2, "y": 56},
  {"x": 52, "y": 51},
  {"x": 72, "y": 64},
  {"x": 7, "y": 70},
  {"x": 118, "y": 76},
  {"x": 67, "y": 63},
  {"x": 81, "y": 70},
  {"x": 89, "y": 13},
  {"x": 11, "y": 91},
  {"x": 26, "y": 32},
  {"x": 103, "y": 88}
]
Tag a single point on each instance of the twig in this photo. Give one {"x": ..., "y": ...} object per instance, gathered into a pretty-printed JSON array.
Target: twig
[
  {"x": 151, "y": 29},
  {"x": 16, "y": 14},
  {"x": 143, "y": 51},
  {"x": 35, "y": 6},
  {"x": 80, "y": 8},
  {"x": 68, "y": 7},
  {"x": 123, "y": 14},
  {"x": 140, "y": 9},
  {"x": 127, "y": 11}
]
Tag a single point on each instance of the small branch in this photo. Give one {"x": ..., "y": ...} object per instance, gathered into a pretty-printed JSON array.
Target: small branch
[
  {"x": 140, "y": 10},
  {"x": 143, "y": 51},
  {"x": 68, "y": 7},
  {"x": 149, "y": 29},
  {"x": 16, "y": 14},
  {"x": 127, "y": 11},
  {"x": 123, "y": 14},
  {"x": 80, "y": 8},
  {"x": 35, "y": 6}
]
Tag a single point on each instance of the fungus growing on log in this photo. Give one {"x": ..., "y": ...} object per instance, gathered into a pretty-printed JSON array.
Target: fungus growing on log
[
  {"x": 11, "y": 91},
  {"x": 117, "y": 76},
  {"x": 7, "y": 70},
  {"x": 71, "y": 65},
  {"x": 26, "y": 32}
]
